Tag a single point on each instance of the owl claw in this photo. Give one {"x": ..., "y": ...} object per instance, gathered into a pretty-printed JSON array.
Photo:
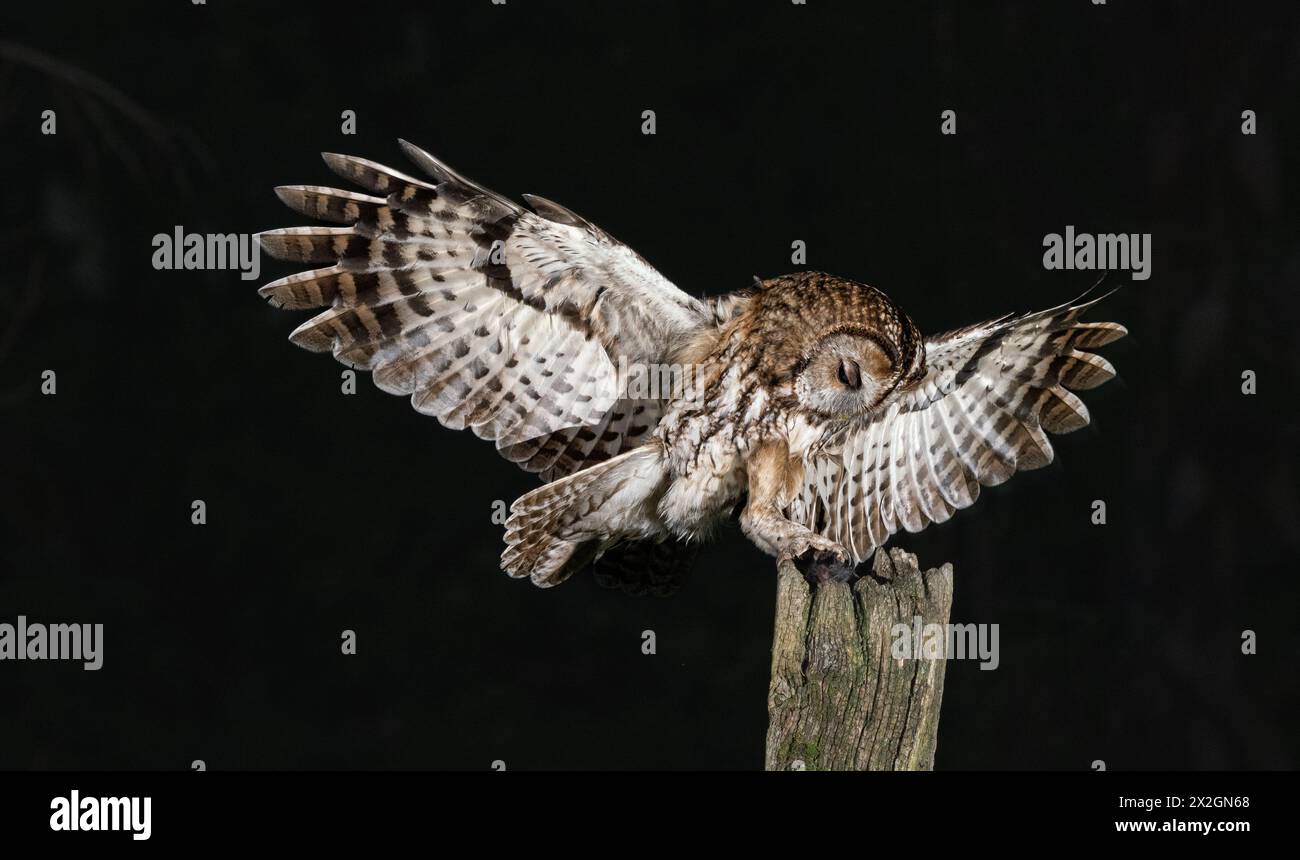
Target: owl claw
[
  {"x": 823, "y": 567},
  {"x": 821, "y": 560}
]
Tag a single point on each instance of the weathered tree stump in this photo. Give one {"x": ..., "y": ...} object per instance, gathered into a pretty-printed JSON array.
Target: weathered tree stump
[{"x": 839, "y": 699}]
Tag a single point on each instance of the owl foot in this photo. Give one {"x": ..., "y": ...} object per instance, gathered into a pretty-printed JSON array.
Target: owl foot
[
  {"x": 821, "y": 560},
  {"x": 819, "y": 568}
]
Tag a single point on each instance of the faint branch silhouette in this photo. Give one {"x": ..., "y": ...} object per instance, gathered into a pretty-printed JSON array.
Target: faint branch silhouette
[
  {"x": 23, "y": 309},
  {"x": 121, "y": 129},
  {"x": 111, "y": 112}
]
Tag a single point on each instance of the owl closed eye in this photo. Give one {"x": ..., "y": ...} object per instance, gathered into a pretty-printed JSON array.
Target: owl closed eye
[{"x": 847, "y": 374}]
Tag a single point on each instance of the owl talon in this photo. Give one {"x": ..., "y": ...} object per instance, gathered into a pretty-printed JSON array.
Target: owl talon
[
  {"x": 821, "y": 560},
  {"x": 820, "y": 567}
]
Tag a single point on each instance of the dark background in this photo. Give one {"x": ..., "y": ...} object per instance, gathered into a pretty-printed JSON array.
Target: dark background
[{"x": 775, "y": 122}]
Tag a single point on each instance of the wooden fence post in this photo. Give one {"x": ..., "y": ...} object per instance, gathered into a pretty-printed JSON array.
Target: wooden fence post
[{"x": 838, "y": 699}]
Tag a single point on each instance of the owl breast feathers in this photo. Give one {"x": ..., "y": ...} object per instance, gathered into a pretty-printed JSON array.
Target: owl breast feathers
[{"x": 814, "y": 398}]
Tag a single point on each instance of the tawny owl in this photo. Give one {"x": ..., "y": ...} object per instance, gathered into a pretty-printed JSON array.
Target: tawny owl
[{"x": 813, "y": 398}]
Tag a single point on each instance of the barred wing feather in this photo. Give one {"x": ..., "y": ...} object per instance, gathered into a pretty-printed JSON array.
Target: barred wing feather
[
  {"x": 982, "y": 412},
  {"x": 492, "y": 318}
]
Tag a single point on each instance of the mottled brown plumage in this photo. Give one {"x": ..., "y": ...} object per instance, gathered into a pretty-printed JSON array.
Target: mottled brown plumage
[{"x": 813, "y": 398}]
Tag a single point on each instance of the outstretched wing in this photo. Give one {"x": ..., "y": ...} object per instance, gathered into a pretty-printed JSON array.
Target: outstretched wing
[
  {"x": 978, "y": 415},
  {"x": 493, "y": 318}
]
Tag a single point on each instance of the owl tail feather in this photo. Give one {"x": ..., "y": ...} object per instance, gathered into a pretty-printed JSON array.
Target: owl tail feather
[{"x": 558, "y": 529}]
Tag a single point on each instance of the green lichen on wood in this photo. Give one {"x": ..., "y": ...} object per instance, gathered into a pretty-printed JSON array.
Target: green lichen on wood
[{"x": 838, "y": 699}]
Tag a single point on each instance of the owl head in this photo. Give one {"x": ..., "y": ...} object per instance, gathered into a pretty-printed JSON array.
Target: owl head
[
  {"x": 844, "y": 348},
  {"x": 856, "y": 370}
]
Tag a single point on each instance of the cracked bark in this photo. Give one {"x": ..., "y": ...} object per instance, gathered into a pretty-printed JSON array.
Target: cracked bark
[{"x": 838, "y": 699}]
